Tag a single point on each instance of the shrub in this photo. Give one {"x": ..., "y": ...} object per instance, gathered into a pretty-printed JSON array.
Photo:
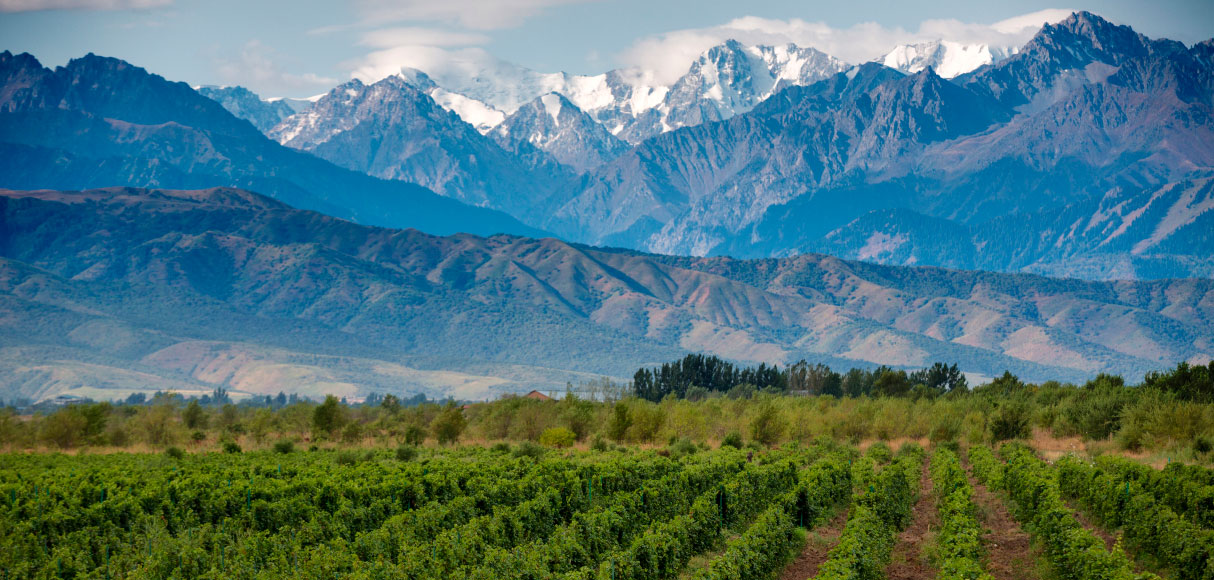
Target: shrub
[
  {"x": 598, "y": 443},
  {"x": 449, "y": 424},
  {"x": 415, "y": 435},
  {"x": 284, "y": 447},
  {"x": 1203, "y": 445},
  {"x": 346, "y": 458},
  {"x": 352, "y": 433},
  {"x": 198, "y": 436},
  {"x": 732, "y": 439},
  {"x": 769, "y": 425},
  {"x": 406, "y": 453},
  {"x": 1011, "y": 421},
  {"x": 231, "y": 447},
  {"x": 682, "y": 448},
  {"x": 558, "y": 437},
  {"x": 529, "y": 449},
  {"x": 175, "y": 453},
  {"x": 500, "y": 447}
]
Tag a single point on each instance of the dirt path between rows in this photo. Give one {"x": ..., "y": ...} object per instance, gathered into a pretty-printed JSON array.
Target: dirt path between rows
[
  {"x": 821, "y": 540},
  {"x": 909, "y": 559},
  {"x": 1009, "y": 550}
]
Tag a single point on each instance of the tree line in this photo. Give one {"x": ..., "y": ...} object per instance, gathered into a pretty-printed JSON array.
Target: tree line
[{"x": 696, "y": 376}]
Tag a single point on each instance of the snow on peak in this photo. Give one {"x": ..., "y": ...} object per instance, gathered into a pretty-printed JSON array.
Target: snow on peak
[
  {"x": 948, "y": 58},
  {"x": 552, "y": 105}
]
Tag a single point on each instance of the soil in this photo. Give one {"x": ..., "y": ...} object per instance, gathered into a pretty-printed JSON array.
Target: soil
[
  {"x": 1105, "y": 536},
  {"x": 1009, "y": 549},
  {"x": 909, "y": 560},
  {"x": 821, "y": 540}
]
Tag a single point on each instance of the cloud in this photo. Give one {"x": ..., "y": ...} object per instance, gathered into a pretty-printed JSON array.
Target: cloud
[
  {"x": 256, "y": 67},
  {"x": 36, "y": 5},
  {"x": 413, "y": 36},
  {"x": 667, "y": 56},
  {"x": 437, "y": 62},
  {"x": 472, "y": 14}
]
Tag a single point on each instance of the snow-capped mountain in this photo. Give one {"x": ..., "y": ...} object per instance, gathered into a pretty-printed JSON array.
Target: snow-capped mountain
[
  {"x": 949, "y": 59},
  {"x": 555, "y": 126},
  {"x": 262, "y": 113},
  {"x": 393, "y": 129},
  {"x": 726, "y": 80}
]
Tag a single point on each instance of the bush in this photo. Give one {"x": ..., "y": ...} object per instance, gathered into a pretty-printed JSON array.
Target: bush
[
  {"x": 175, "y": 453},
  {"x": 529, "y": 449},
  {"x": 732, "y": 439},
  {"x": 500, "y": 447},
  {"x": 352, "y": 433},
  {"x": 449, "y": 424},
  {"x": 406, "y": 453},
  {"x": 198, "y": 436},
  {"x": 284, "y": 447},
  {"x": 1011, "y": 421},
  {"x": 598, "y": 444},
  {"x": 769, "y": 425},
  {"x": 415, "y": 435},
  {"x": 346, "y": 458},
  {"x": 1203, "y": 445},
  {"x": 682, "y": 448},
  {"x": 231, "y": 447},
  {"x": 558, "y": 437}
]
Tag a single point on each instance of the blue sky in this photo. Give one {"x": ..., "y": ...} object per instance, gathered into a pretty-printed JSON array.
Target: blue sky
[{"x": 293, "y": 48}]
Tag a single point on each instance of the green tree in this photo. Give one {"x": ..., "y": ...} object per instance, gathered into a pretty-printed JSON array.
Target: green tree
[
  {"x": 558, "y": 437},
  {"x": 769, "y": 424},
  {"x": 194, "y": 415},
  {"x": 328, "y": 417},
  {"x": 449, "y": 424},
  {"x": 621, "y": 420},
  {"x": 64, "y": 428}
]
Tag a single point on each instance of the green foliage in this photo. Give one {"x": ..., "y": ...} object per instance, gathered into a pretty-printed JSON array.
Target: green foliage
[
  {"x": 284, "y": 447},
  {"x": 231, "y": 447},
  {"x": 1074, "y": 551},
  {"x": 328, "y": 417},
  {"x": 414, "y": 435},
  {"x": 1140, "y": 501},
  {"x": 529, "y": 449},
  {"x": 1190, "y": 383},
  {"x": 732, "y": 439},
  {"x": 175, "y": 453},
  {"x": 959, "y": 540},
  {"x": 194, "y": 416},
  {"x": 558, "y": 437},
  {"x": 449, "y": 424},
  {"x": 621, "y": 421},
  {"x": 768, "y": 425},
  {"x": 682, "y": 447},
  {"x": 1012, "y": 420}
]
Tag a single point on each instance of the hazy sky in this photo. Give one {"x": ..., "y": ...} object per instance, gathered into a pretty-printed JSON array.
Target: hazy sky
[{"x": 294, "y": 48}]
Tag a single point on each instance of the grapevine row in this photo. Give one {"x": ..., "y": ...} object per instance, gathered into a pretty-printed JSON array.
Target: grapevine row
[
  {"x": 1148, "y": 523},
  {"x": 882, "y": 506},
  {"x": 960, "y": 537},
  {"x": 1074, "y": 551}
]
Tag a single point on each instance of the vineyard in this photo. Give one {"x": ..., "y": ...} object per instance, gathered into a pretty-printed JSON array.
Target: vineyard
[{"x": 624, "y": 514}]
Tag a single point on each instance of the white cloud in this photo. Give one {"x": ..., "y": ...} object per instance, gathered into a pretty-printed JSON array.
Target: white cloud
[
  {"x": 668, "y": 55},
  {"x": 436, "y": 62},
  {"x": 255, "y": 67},
  {"x": 473, "y": 14},
  {"x": 35, "y": 5},
  {"x": 413, "y": 36}
]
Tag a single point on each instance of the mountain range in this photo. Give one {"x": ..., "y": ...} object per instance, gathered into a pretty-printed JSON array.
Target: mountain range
[
  {"x": 1085, "y": 152},
  {"x": 521, "y": 229},
  {"x": 104, "y": 292},
  {"x": 101, "y": 121}
]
